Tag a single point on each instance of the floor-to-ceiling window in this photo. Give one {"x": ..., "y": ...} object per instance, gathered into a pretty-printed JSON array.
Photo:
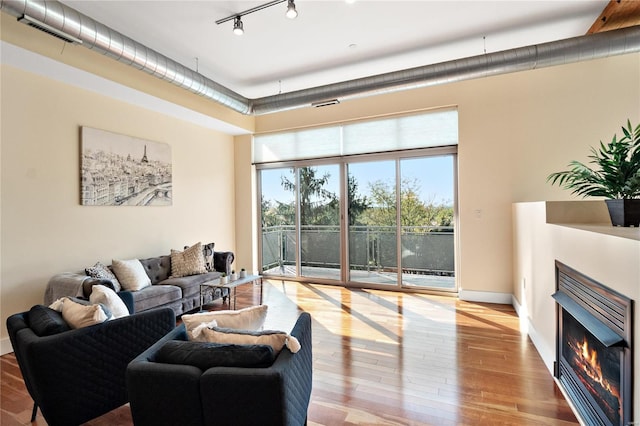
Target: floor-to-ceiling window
[{"x": 331, "y": 209}]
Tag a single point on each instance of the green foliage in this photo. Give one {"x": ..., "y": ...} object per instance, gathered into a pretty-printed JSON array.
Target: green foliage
[
  {"x": 616, "y": 171},
  {"x": 414, "y": 211}
]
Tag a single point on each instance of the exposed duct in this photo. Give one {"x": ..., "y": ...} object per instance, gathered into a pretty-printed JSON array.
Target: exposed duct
[{"x": 107, "y": 41}]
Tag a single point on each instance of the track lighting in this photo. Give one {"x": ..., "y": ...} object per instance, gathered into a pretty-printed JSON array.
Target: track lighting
[
  {"x": 238, "y": 27},
  {"x": 292, "y": 13}
]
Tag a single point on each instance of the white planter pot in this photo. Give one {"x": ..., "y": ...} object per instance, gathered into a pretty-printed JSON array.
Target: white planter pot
[
  {"x": 243, "y": 274},
  {"x": 233, "y": 277},
  {"x": 223, "y": 280}
]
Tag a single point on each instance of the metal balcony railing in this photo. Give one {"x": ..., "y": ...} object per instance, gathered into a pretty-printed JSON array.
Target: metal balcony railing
[{"x": 427, "y": 250}]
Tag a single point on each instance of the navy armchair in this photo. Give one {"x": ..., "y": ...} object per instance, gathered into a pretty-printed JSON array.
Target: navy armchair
[
  {"x": 77, "y": 375},
  {"x": 184, "y": 395}
]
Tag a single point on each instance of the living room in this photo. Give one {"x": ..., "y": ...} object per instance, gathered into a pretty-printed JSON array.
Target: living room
[{"x": 514, "y": 130}]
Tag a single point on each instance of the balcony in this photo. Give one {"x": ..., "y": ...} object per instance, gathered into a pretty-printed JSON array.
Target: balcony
[{"x": 427, "y": 254}]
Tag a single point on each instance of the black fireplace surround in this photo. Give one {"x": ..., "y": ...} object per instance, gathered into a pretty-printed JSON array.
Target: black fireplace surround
[{"x": 594, "y": 350}]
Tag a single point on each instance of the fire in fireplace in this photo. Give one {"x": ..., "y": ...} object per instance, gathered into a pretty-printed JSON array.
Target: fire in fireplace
[
  {"x": 596, "y": 367},
  {"x": 594, "y": 359}
]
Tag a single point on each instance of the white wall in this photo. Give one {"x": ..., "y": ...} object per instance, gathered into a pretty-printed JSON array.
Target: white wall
[
  {"x": 514, "y": 130},
  {"x": 605, "y": 254},
  {"x": 45, "y": 230}
]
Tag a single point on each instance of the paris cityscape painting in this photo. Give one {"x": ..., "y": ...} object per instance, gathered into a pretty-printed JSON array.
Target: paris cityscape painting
[{"x": 119, "y": 170}]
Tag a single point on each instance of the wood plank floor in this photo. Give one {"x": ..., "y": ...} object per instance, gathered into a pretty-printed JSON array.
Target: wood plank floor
[{"x": 387, "y": 358}]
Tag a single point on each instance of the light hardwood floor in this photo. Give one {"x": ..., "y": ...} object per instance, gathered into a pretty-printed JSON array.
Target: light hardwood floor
[{"x": 388, "y": 358}]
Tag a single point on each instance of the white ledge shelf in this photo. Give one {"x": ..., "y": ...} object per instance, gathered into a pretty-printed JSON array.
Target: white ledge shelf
[{"x": 590, "y": 216}]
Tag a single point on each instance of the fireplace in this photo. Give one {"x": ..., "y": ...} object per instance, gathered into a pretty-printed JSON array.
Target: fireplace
[{"x": 594, "y": 348}]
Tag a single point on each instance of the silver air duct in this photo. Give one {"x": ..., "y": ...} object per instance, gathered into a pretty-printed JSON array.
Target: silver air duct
[{"x": 58, "y": 19}]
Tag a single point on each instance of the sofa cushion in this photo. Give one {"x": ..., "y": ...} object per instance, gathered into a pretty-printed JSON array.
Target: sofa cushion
[
  {"x": 45, "y": 321},
  {"x": 155, "y": 295},
  {"x": 188, "y": 262},
  {"x": 99, "y": 270},
  {"x": 131, "y": 274},
  {"x": 191, "y": 285},
  {"x": 206, "y": 355}
]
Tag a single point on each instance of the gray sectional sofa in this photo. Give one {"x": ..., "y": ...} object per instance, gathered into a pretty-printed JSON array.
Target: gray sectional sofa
[{"x": 180, "y": 294}]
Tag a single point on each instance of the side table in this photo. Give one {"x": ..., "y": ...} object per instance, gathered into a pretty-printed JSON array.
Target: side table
[{"x": 232, "y": 286}]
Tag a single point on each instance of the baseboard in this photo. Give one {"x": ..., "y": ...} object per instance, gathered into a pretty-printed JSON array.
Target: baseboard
[
  {"x": 485, "y": 296},
  {"x": 547, "y": 354},
  {"x": 5, "y": 346}
]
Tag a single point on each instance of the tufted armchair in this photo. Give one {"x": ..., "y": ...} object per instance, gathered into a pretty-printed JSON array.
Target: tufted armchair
[
  {"x": 179, "y": 394},
  {"x": 77, "y": 375}
]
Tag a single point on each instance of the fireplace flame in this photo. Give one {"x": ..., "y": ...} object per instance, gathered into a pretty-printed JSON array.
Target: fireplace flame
[{"x": 588, "y": 362}]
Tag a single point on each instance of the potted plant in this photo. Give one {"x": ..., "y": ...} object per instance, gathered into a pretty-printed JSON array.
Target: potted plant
[
  {"x": 223, "y": 278},
  {"x": 615, "y": 175},
  {"x": 243, "y": 273},
  {"x": 233, "y": 276}
]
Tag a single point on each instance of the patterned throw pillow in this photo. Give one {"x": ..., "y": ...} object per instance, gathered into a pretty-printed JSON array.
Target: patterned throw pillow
[
  {"x": 188, "y": 262},
  {"x": 99, "y": 270}
]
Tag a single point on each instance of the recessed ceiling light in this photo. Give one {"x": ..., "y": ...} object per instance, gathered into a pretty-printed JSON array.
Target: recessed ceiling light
[{"x": 353, "y": 46}]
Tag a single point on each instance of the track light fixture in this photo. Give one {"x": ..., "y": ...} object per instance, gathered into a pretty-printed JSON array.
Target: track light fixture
[
  {"x": 238, "y": 27},
  {"x": 292, "y": 13}
]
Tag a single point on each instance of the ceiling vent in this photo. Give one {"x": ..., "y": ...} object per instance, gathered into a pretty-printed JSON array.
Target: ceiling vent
[
  {"x": 33, "y": 22},
  {"x": 325, "y": 103}
]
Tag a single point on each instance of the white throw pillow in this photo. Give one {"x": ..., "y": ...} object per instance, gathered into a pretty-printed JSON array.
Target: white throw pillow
[
  {"x": 78, "y": 316},
  {"x": 251, "y": 318},
  {"x": 131, "y": 274},
  {"x": 109, "y": 298}
]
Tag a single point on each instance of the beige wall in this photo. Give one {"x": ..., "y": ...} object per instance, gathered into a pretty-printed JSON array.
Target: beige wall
[
  {"x": 514, "y": 130},
  {"x": 45, "y": 230},
  {"x": 607, "y": 255}
]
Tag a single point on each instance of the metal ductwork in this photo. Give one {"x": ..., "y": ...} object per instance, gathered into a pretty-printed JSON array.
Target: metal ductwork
[{"x": 55, "y": 18}]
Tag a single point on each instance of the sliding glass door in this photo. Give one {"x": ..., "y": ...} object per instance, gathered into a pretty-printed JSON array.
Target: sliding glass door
[
  {"x": 365, "y": 202},
  {"x": 395, "y": 227},
  {"x": 372, "y": 222},
  {"x": 278, "y": 222},
  {"x": 319, "y": 202},
  {"x": 427, "y": 249}
]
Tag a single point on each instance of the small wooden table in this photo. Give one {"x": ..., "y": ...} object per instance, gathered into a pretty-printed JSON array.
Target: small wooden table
[{"x": 232, "y": 286}]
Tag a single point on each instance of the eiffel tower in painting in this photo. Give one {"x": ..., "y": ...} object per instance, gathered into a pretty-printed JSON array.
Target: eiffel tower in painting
[{"x": 144, "y": 157}]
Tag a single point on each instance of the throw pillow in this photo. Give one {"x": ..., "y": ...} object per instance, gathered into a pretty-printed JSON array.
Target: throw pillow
[
  {"x": 205, "y": 355},
  {"x": 78, "y": 316},
  {"x": 276, "y": 339},
  {"x": 251, "y": 318},
  {"x": 131, "y": 274},
  {"x": 99, "y": 270},
  {"x": 188, "y": 262},
  {"x": 109, "y": 298},
  {"x": 46, "y": 321}
]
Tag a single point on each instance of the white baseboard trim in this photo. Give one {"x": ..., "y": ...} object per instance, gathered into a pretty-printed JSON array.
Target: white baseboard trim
[
  {"x": 485, "y": 296},
  {"x": 547, "y": 354},
  {"x": 5, "y": 346}
]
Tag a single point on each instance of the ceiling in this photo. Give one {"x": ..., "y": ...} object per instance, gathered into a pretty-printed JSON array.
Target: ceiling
[{"x": 334, "y": 40}]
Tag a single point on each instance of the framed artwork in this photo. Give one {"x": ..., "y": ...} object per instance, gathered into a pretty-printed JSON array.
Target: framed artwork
[{"x": 119, "y": 170}]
